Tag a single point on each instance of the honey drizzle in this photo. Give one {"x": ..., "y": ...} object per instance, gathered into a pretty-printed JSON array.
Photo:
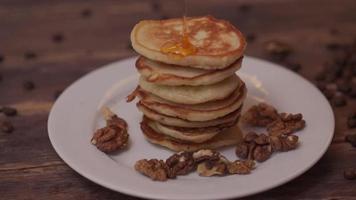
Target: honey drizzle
[{"x": 183, "y": 47}]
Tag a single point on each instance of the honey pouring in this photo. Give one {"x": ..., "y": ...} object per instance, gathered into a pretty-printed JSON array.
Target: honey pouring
[{"x": 183, "y": 47}]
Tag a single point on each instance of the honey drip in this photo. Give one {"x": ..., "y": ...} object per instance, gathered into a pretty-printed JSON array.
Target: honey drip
[{"x": 183, "y": 47}]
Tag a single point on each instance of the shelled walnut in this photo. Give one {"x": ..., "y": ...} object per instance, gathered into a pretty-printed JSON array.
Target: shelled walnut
[
  {"x": 153, "y": 168},
  {"x": 262, "y": 152},
  {"x": 180, "y": 163},
  {"x": 284, "y": 142},
  {"x": 210, "y": 163},
  {"x": 113, "y": 136},
  {"x": 211, "y": 168},
  {"x": 286, "y": 124},
  {"x": 264, "y": 115},
  {"x": 205, "y": 154},
  {"x": 241, "y": 167},
  {"x": 260, "y": 147},
  {"x": 206, "y": 162},
  {"x": 213, "y": 163},
  {"x": 254, "y": 147},
  {"x": 280, "y": 127},
  {"x": 260, "y": 115}
]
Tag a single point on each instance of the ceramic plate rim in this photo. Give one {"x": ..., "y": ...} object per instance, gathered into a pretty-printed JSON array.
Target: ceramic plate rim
[{"x": 102, "y": 182}]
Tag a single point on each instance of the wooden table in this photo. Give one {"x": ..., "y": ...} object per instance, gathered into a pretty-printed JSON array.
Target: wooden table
[{"x": 53, "y": 43}]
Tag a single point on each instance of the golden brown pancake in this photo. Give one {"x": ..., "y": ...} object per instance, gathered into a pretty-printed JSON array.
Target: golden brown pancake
[
  {"x": 200, "y": 112},
  {"x": 195, "y": 135},
  {"x": 218, "y": 42},
  {"x": 192, "y": 94},
  {"x": 228, "y": 137},
  {"x": 174, "y": 121},
  {"x": 167, "y": 74}
]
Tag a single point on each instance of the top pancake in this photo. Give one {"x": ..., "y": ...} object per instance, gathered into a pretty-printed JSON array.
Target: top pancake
[{"x": 218, "y": 42}]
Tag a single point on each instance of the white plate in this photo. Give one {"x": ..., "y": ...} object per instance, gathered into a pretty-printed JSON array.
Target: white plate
[{"x": 75, "y": 116}]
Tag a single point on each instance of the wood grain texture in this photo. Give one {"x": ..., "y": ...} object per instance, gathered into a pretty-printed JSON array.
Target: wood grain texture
[{"x": 96, "y": 32}]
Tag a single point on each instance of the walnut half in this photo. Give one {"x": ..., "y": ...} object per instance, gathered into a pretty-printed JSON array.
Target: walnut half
[
  {"x": 286, "y": 124},
  {"x": 153, "y": 168},
  {"x": 211, "y": 168},
  {"x": 113, "y": 136},
  {"x": 260, "y": 115},
  {"x": 212, "y": 163},
  {"x": 261, "y": 147},
  {"x": 241, "y": 167},
  {"x": 181, "y": 163}
]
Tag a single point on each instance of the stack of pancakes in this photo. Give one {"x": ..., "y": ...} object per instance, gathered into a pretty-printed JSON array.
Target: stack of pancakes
[{"x": 190, "y": 102}]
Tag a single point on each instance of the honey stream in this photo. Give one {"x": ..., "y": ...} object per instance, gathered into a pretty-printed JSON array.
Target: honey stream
[{"x": 183, "y": 47}]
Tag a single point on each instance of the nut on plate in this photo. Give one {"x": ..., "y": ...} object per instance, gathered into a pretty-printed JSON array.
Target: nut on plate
[
  {"x": 205, "y": 154},
  {"x": 260, "y": 115},
  {"x": 284, "y": 142},
  {"x": 110, "y": 139},
  {"x": 261, "y": 147},
  {"x": 180, "y": 163},
  {"x": 286, "y": 124},
  {"x": 217, "y": 165},
  {"x": 113, "y": 136},
  {"x": 264, "y": 115},
  {"x": 241, "y": 166},
  {"x": 211, "y": 167},
  {"x": 254, "y": 147},
  {"x": 242, "y": 150},
  {"x": 206, "y": 162},
  {"x": 262, "y": 152},
  {"x": 153, "y": 168}
]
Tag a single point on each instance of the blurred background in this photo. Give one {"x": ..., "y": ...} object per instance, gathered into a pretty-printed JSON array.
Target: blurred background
[
  {"x": 45, "y": 45},
  {"x": 89, "y": 33}
]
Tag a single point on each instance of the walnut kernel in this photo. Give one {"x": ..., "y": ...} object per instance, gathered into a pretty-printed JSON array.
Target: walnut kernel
[{"x": 153, "y": 168}]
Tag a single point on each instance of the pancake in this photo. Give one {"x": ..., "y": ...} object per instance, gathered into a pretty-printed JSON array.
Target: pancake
[
  {"x": 218, "y": 42},
  {"x": 173, "y": 121},
  {"x": 231, "y": 136},
  {"x": 166, "y": 74},
  {"x": 192, "y": 94},
  {"x": 201, "y": 112},
  {"x": 211, "y": 105},
  {"x": 195, "y": 135}
]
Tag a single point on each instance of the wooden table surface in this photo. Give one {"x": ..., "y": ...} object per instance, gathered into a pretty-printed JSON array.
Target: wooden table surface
[{"x": 55, "y": 42}]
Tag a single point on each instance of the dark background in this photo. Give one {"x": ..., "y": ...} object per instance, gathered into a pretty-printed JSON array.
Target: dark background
[{"x": 48, "y": 44}]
